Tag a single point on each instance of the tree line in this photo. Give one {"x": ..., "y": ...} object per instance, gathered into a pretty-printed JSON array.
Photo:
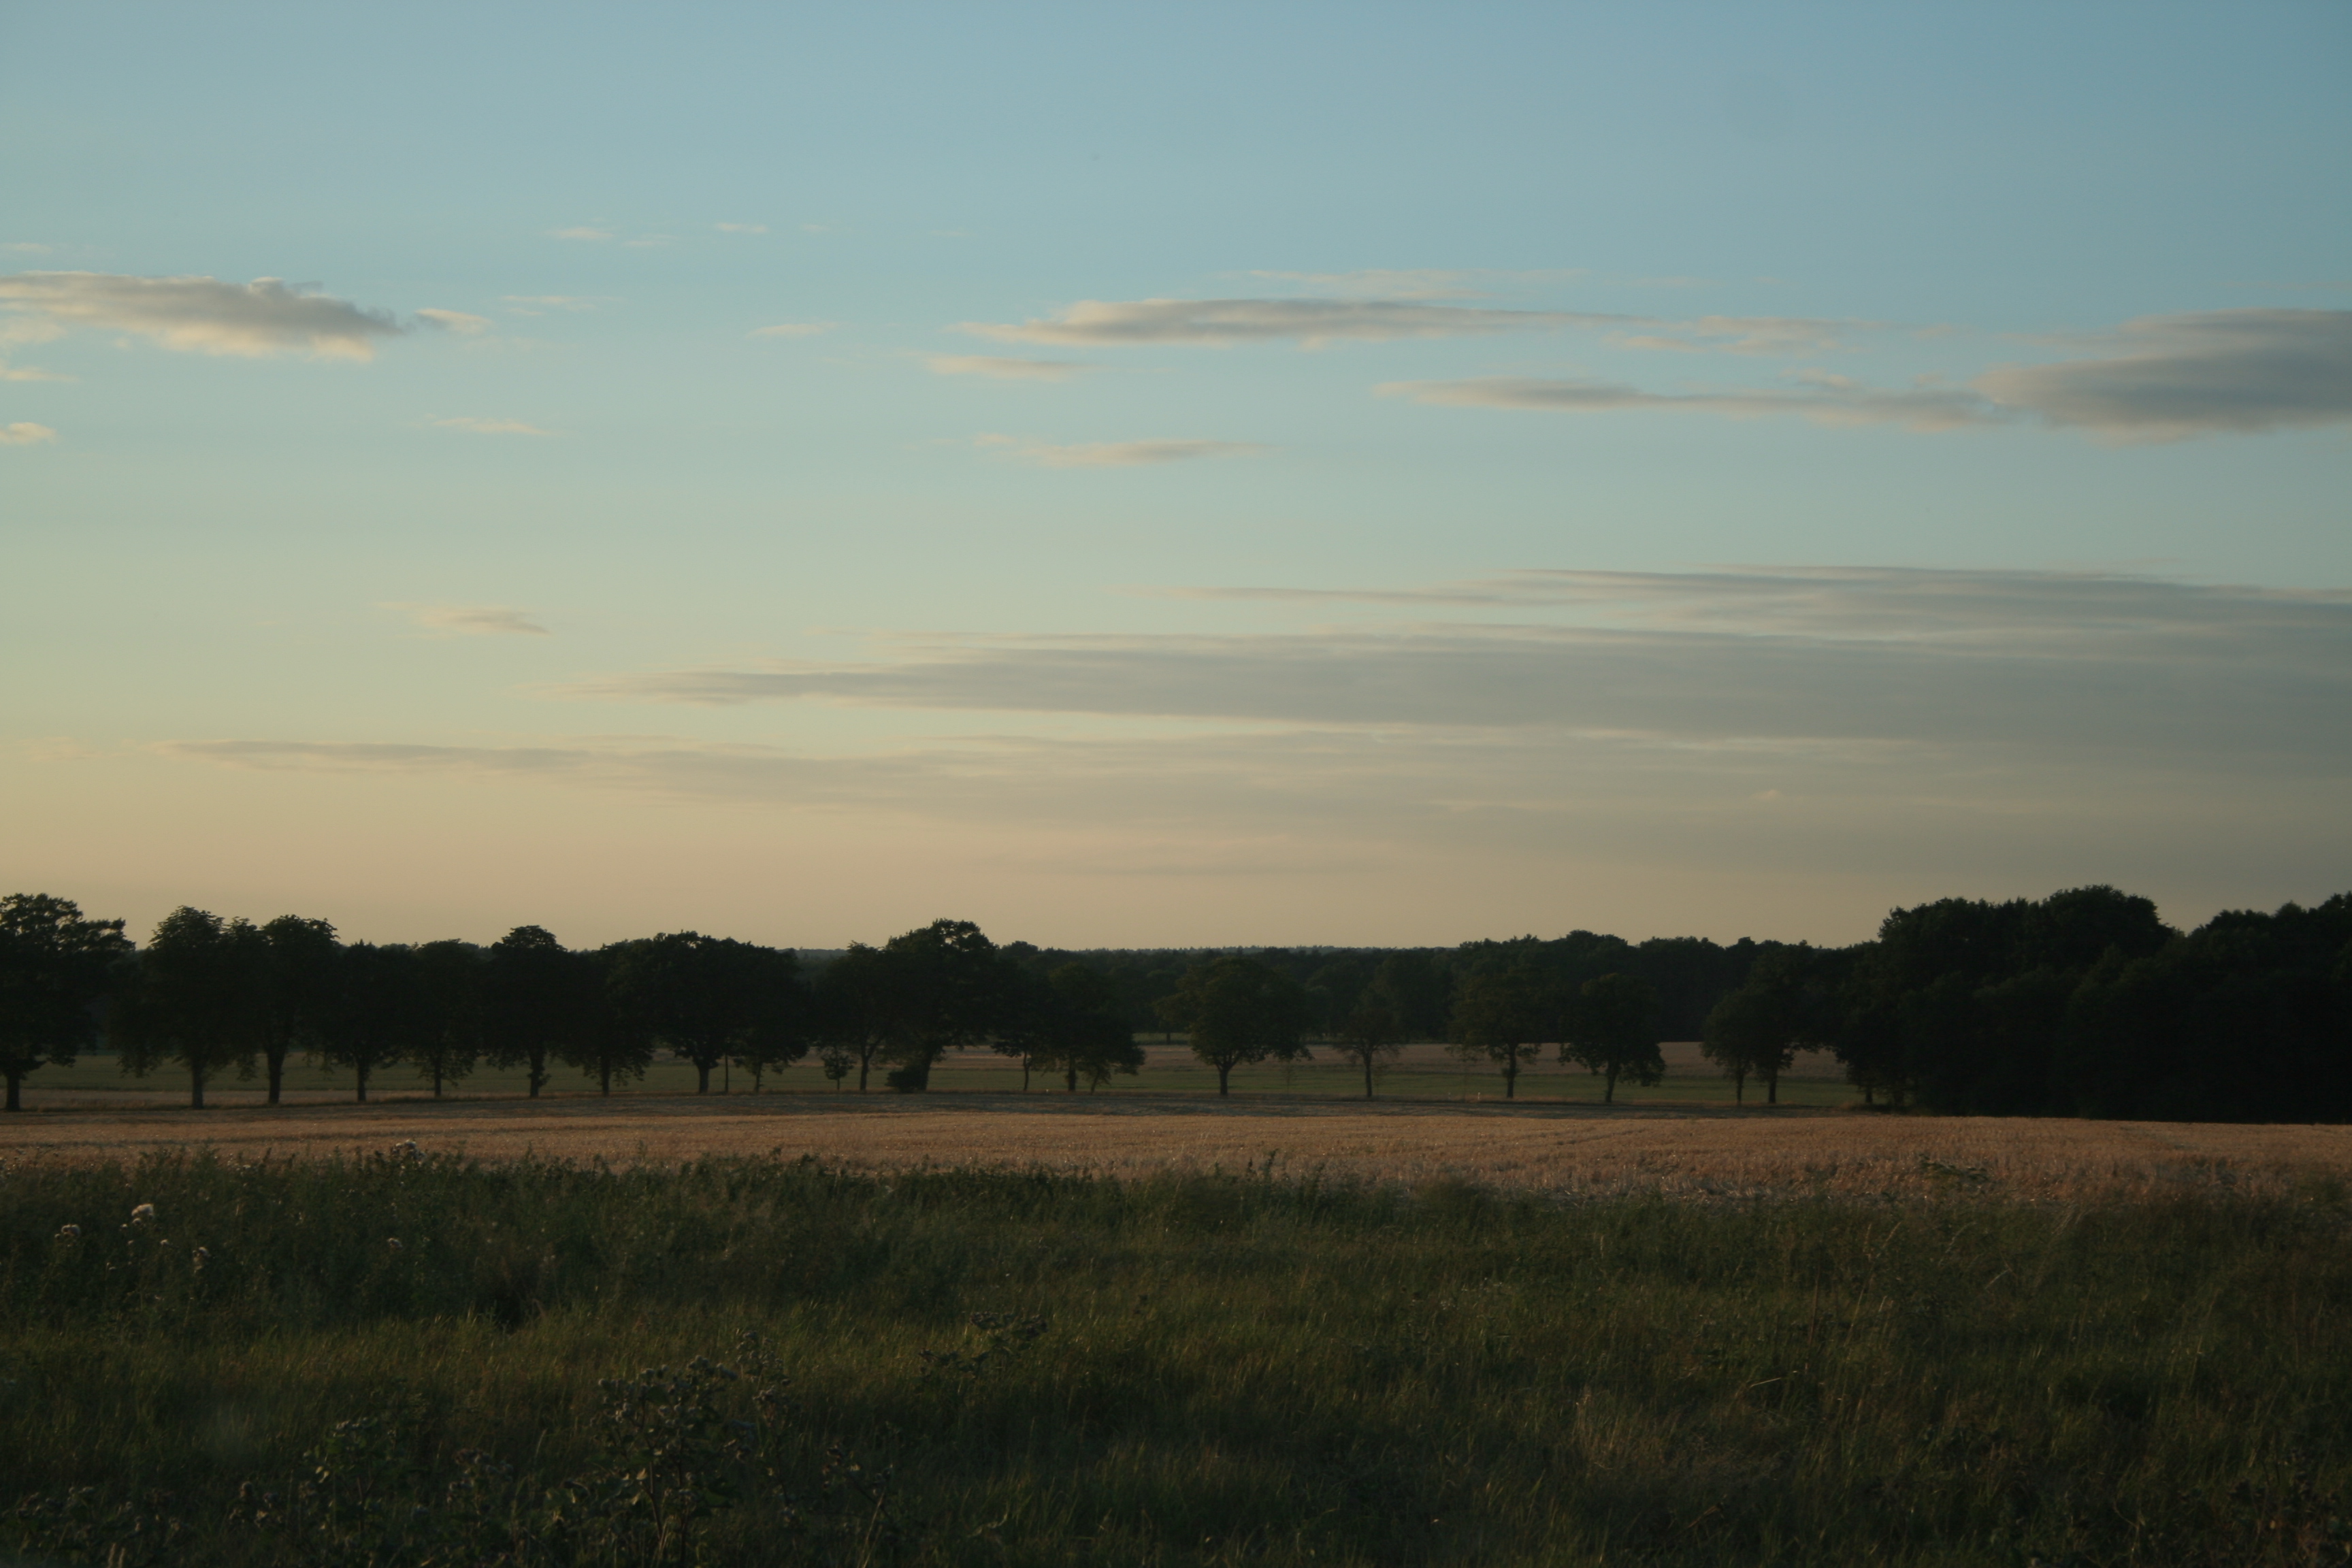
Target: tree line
[
  {"x": 2081, "y": 1004},
  {"x": 212, "y": 998}
]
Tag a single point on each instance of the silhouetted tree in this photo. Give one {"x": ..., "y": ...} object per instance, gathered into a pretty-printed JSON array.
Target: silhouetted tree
[
  {"x": 1415, "y": 986},
  {"x": 299, "y": 977},
  {"x": 944, "y": 985},
  {"x": 55, "y": 965},
  {"x": 1758, "y": 1028},
  {"x": 1980, "y": 993},
  {"x": 781, "y": 1029},
  {"x": 530, "y": 1002},
  {"x": 853, "y": 1007},
  {"x": 1239, "y": 1012},
  {"x": 2248, "y": 1017},
  {"x": 380, "y": 1019},
  {"x": 451, "y": 977},
  {"x": 1504, "y": 1016},
  {"x": 606, "y": 1033},
  {"x": 194, "y": 999},
  {"x": 703, "y": 995},
  {"x": 1070, "y": 1021},
  {"x": 1613, "y": 1031},
  {"x": 1372, "y": 1031}
]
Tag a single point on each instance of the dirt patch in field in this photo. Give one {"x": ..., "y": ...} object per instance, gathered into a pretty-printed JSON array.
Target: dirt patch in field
[{"x": 1565, "y": 1150}]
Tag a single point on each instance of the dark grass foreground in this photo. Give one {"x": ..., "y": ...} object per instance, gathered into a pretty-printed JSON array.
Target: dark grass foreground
[{"x": 424, "y": 1362}]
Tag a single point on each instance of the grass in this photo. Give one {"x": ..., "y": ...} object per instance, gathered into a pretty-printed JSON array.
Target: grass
[
  {"x": 1424, "y": 1072},
  {"x": 1183, "y": 1369}
]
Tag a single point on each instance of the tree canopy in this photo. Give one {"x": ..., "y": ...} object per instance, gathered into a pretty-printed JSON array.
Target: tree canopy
[
  {"x": 1239, "y": 1011},
  {"x": 56, "y": 966}
]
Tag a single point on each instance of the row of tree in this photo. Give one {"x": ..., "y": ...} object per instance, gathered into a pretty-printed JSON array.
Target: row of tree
[
  {"x": 2084, "y": 1003},
  {"x": 212, "y": 996}
]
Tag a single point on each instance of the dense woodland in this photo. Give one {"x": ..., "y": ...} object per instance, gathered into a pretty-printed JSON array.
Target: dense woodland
[{"x": 2082, "y": 1003}]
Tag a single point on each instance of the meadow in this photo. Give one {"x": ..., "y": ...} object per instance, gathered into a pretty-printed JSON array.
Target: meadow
[
  {"x": 407, "y": 1357},
  {"x": 1425, "y": 1071}
]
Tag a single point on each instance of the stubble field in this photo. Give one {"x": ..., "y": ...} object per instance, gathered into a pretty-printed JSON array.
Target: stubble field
[{"x": 1531, "y": 1147}]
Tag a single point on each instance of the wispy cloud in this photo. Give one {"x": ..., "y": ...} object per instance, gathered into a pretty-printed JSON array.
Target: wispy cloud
[
  {"x": 538, "y": 304},
  {"x": 794, "y": 329},
  {"x": 2168, "y": 377},
  {"x": 740, "y": 227},
  {"x": 581, "y": 231},
  {"x": 1313, "y": 322},
  {"x": 28, "y": 372},
  {"x": 1114, "y": 454},
  {"x": 2164, "y": 378},
  {"x": 1388, "y": 283},
  {"x": 996, "y": 369},
  {"x": 487, "y": 426},
  {"x": 2015, "y": 664},
  {"x": 1836, "y": 726},
  {"x": 25, "y": 433},
  {"x": 1748, "y": 335},
  {"x": 474, "y": 620},
  {"x": 1823, "y": 398},
  {"x": 458, "y": 321},
  {"x": 202, "y": 315}
]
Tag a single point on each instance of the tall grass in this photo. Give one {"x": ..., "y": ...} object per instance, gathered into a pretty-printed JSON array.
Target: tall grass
[{"x": 1194, "y": 1370}]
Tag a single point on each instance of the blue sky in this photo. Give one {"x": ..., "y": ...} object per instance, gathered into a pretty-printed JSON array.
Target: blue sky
[{"x": 1325, "y": 474}]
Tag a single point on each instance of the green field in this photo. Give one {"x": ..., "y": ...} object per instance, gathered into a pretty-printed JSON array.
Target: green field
[
  {"x": 1007, "y": 1368},
  {"x": 1425, "y": 1075}
]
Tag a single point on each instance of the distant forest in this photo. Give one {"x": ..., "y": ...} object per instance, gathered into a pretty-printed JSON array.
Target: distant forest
[{"x": 2082, "y": 1003}]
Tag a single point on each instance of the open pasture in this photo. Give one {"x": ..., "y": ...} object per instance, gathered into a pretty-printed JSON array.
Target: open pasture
[{"x": 1425, "y": 1071}]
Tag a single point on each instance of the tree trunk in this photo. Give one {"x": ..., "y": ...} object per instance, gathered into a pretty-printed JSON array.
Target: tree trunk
[
  {"x": 1368, "y": 1076},
  {"x": 702, "y": 1078},
  {"x": 1771, "y": 1088},
  {"x": 1225, "y": 1078},
  {"x": 537, "y": 1062},
  {"x": 196, "y": 1088},
  {"x": 865, "y": 1065},
  {"x": 362, "y": 1072},
  {"x": 277, "y": 1074},
  {"x": 605, "y": 1078},
  {"x": 1511, "y": 1077},
  {"x": 1609, "y": 1095},
  {"x": 14, "y": 1102},
  {"x": 437, "y": 1079},
  {"x": 1070, "y": 1080}
]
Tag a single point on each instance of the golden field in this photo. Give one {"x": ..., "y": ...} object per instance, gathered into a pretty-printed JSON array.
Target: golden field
[{"x": 1560, "y": 1149}]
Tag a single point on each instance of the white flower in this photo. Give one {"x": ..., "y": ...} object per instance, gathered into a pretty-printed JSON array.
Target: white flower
[
  {"x": 143, "y": 1214},
  {"x": 69, "y": 1233},
  {"x": 202, "y": 1257},
  {"x": 392, "y": 1242}
]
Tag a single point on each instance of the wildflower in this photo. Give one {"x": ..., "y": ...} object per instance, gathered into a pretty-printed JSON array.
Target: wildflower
[
  {"x": 392, "y": 1242},
  {"x": 69, "y": 1233},
  {"x": 143, "y": 1214},
  {"x": 201, "y": 1256}
]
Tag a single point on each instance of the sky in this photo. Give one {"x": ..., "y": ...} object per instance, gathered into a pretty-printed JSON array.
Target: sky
[{"x": 1174, "y": 476}]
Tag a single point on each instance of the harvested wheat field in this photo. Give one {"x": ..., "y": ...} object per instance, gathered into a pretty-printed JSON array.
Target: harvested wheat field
[{"x": 1565, "y": 1151}]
